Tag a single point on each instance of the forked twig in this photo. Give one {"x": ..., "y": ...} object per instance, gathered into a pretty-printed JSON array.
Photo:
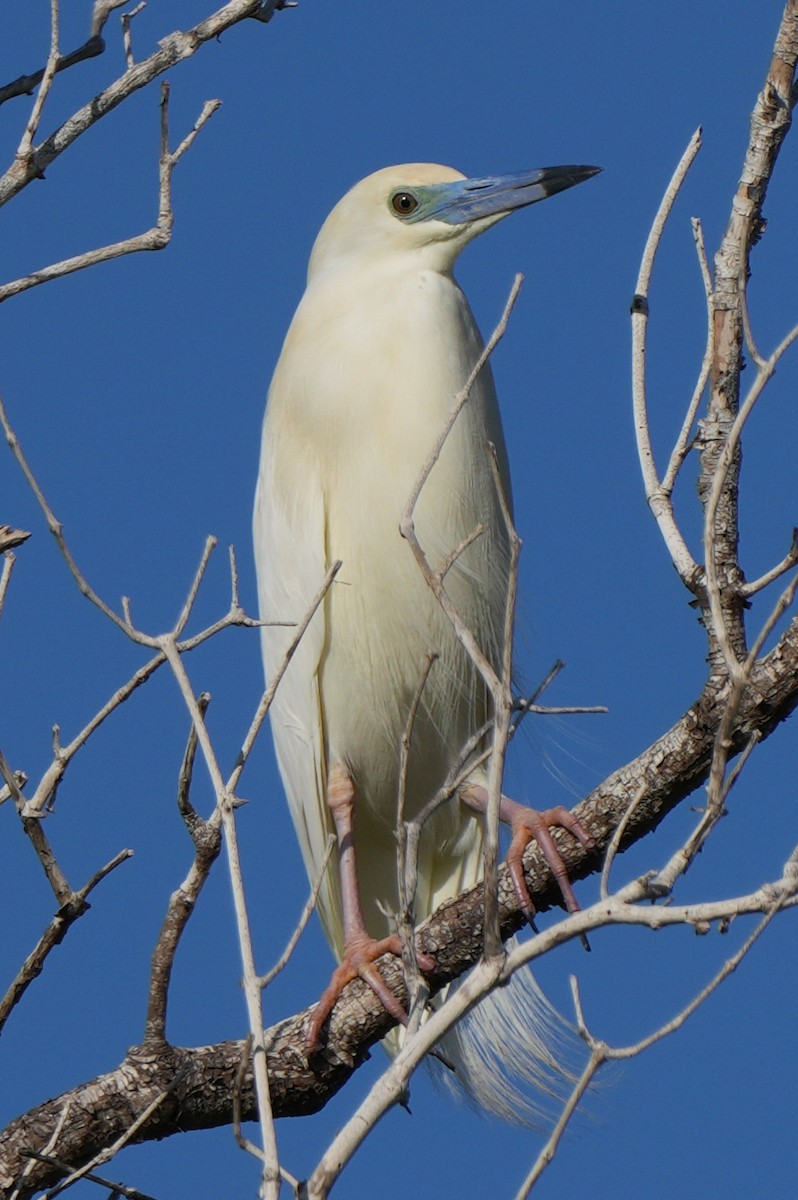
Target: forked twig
[
  {"x": 601, "y": 1052},
  {"x": 207, "y": 840},
  {"x": 156, "y": 238}
]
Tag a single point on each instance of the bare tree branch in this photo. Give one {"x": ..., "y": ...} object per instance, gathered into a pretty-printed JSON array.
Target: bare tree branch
[
  {"x": 675, "y": 764},
  {"x": 658, "y": 496},
  {"x": 91, "y": 48},
  {"x": 173, "y": 49},
  {"x": 73, "y": 907},
  {"x": 207, "y": 839},
  {"x": 11, "y": 538},
  {"x": 156, "y": 238},
  {"x": 770, "y": 122},
  {"x": 601, "y": 1052},
  {"x": 48, "y": 74},
  {"x": 160, "y": 1089}
]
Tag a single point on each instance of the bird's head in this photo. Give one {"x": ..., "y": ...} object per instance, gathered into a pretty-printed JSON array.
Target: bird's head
[{"x": 428, "y": 211}]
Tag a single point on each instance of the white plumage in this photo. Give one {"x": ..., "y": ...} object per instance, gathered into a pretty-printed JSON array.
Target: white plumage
[{"x": 380, "y": 344}]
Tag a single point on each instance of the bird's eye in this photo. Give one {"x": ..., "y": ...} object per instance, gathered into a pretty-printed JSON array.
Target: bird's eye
[{"x": 404, "y": 203}]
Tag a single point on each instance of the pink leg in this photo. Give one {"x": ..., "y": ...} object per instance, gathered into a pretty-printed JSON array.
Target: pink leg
[
  {"x": 360, "y": 949},
  {"x": 526, "y": 825}
]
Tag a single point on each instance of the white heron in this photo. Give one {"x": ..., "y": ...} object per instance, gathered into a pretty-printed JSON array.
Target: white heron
[{"x": 380, "y": 344}]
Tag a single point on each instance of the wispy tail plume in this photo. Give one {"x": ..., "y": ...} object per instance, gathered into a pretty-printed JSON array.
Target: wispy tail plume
[{"x": 509, "y": 1053}]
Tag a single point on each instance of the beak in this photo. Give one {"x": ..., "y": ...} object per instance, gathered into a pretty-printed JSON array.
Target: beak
[{"x": 469, "y": 200}]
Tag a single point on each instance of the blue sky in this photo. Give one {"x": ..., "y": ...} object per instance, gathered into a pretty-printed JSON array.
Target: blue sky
[{"x": 137, "y": 390}]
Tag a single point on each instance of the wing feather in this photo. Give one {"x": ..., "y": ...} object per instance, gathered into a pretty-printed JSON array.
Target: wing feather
[{"x": 289, "y": 538}]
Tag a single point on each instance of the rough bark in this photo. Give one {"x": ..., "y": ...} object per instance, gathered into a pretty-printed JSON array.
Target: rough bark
[
  {"x": 770, "y": 123},
  {"x": 200, "y": 1081}
]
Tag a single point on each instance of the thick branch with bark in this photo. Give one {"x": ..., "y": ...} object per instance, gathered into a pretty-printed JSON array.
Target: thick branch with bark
[
  {"x": 770, "y": 123},
  {"x": 160, "y": 1090},
  {"x": 101, "y": 1110}
]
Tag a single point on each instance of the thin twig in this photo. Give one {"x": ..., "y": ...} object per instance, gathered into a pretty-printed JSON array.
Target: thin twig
[
  {"x": 116, "y": 1189},
  {"x": 109, "y": 1152},
  {"x": 69, "y": 912},
  {"x": 463, "y": 767},
  {"x": 127, "y": 40},
  {"x": 659, "y": 501},
  {"x": 522, "y": 703},
  {"x": 782, "y": 605},
  {"x": 243, "y": 1142},
  {"x": 54, "y": 524},
  {"x": 391, "y": 1086},
  {"x": 683, "y": 441},
  {"x": 790, "y": 560},
  {"x": 407, "y": 528},
  {"x": 172, "y": 49},
  {"x": 101, "y": 11},
  {"x": 615, "y": 841},
  {"x": 24, "y": 84},
  {"x": 407, "y": 879},
  {"x": 453, "y": 556},
  {"x": 251, "y": 983},
  {"x": 502, "y": 696},
  {"x": 155, "y": 238},
  {"x": 304, "y": 917},
  {"x": 549, "y": 1150},
  {"x": 24, "y": 150},
  {"x": 185, "y": 612},
  {"x": 32, "y": 827},
  {"x": 186, "y": 774},
  {"x": 207, "y": 841},
  {"x": 268, "y": 695},
  {"x": 748, "y": 332},
  {"x": 5, "y": 576},
  {"x": 47, "y": 1150},
  {"x": 460, "y": 400},
  {"x": 45, "y": 791},
  {"x": 601, "y": 1052}
]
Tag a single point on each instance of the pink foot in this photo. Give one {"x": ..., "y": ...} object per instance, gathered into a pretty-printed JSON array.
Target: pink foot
[
  {"x": 360, "y": 949},
  {"x": 359, "y": 959},
  {"x": 527, "y": 825}
]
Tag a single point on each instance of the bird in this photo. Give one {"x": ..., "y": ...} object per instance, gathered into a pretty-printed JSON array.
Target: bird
[{"x": 382, "y": 341}]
